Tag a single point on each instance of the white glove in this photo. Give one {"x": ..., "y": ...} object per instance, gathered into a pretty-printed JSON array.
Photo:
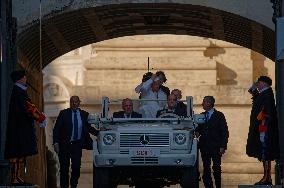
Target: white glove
[{"x": 44, "y": 123}]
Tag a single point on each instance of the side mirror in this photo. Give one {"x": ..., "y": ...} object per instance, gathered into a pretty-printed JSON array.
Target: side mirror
[{"x": 199, "y": 118}]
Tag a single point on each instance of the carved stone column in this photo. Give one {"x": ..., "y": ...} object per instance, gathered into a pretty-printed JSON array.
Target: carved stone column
[
  {"x": 7, "y": 64},
  {"x": 278, "y": 6}
]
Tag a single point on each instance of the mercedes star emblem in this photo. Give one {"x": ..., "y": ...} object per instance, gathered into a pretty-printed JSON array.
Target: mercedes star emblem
[{"x": 144, "y": 139}]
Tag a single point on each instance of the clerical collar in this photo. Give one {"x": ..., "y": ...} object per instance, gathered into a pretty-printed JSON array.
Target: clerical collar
[{"x": 127, "y": 115}]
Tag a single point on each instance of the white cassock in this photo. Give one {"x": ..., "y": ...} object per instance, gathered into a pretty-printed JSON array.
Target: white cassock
[{"x": 149, "y": 109}]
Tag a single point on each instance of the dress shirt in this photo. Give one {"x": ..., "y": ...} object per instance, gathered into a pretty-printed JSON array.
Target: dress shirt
[{"x": 209, "y": 113}]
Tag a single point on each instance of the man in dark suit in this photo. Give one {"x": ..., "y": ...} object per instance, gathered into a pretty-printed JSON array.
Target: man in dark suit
[
  {"x": 213, "y": 138},
  {"x": 127, "y": 106},
  {"x": 171, "y": 107},
  {"x": 69, "y": 134}
]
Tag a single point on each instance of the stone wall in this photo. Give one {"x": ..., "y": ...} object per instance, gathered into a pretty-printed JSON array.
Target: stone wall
[{"x": 197, "y": 66}]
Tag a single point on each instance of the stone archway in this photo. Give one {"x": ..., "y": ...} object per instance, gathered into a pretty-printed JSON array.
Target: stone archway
[{"x": 66, "y": 31}]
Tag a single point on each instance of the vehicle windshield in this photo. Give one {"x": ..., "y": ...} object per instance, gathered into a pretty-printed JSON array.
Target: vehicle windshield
[
  {"x": 136, "y": 105},
  {"x": 170, "y": 120}
]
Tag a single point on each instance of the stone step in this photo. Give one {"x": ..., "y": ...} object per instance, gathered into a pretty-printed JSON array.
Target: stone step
[
  {"x": 18, "y": 186},
  {"x": 234, "y": 179},
  {"x": 259, "y": 186},
  {"x": 229, "y": 180}
]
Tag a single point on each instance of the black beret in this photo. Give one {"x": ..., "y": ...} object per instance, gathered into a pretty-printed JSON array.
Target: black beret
[
  {"x": 265, "y": 79},
  {"x": 17, "y": 75}
]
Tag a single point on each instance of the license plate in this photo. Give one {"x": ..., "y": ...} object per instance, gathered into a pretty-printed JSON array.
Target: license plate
[{"x": 143, "y": 152}]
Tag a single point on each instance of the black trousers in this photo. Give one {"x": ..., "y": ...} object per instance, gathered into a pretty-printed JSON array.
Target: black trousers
[
  {"x": 71, "y": 151},
  {"x": 208, "y": 154}
]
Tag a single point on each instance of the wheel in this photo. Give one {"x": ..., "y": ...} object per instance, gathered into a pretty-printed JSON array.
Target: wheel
[
  {"x": 149, "y": 184},
  {"x": 102, "y": 178},
  {"x": 189, "y": 178}
]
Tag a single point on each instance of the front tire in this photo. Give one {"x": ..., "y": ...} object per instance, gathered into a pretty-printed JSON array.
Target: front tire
[
  {"x": 102, "y": 177},
  {"x": 189, "y": 178}
]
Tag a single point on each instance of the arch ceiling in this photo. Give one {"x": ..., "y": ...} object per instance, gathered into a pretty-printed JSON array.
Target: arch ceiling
[{"x": 64, "y": 32}]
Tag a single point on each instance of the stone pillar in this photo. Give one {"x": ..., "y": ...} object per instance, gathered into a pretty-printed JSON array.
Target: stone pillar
[
  {"x": 6, "y": 66},
  {"x": 279, "y": 68},
  {"x": 280, "y": 110}
]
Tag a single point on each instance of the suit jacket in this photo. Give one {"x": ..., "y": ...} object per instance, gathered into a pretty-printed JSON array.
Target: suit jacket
[
  {"x": 120, "y": 114},
  {"x": 181, "y": 108},
  {"x": 178, "y": 111},
  {"x": 214, "y": 134},
  {"x": 63, "y": 128}
]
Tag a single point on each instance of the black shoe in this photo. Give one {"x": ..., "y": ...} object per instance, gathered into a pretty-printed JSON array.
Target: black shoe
[
  {"x": 21, "y": 184},
  {"x": 259, "y": 182},
  {"x": 266, "y": 182}
]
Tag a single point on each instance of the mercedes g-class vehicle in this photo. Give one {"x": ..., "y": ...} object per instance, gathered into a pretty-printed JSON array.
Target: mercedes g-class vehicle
[{"x": 146, "y": 152}]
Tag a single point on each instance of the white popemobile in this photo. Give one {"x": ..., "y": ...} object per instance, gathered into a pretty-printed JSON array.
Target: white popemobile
[{"x": 143, "y": 152}]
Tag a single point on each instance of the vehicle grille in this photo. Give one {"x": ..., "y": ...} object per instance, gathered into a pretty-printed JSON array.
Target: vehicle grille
[
  {"x": 144, "y": 160},
  {"x": 126, "y": 151},
  {"x": 134, "y": 140}
]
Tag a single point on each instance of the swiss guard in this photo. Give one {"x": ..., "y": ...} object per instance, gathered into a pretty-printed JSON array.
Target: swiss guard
[
  {"x": 262, "y": 142},
  {"x": 21, "y": 134}
]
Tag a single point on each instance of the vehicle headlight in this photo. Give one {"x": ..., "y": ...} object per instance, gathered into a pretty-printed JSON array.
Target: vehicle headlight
[
  {"x": 109, "y": 139},
  {"x": 180, "y": 138}
]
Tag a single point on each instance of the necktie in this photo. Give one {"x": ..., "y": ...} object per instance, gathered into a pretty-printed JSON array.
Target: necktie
[
  {"x": 206, "y": 116},
  {"x": 75, "y": 123}
]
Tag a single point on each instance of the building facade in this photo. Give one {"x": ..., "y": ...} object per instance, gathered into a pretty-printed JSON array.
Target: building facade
[{"x": 197, "y": 66}]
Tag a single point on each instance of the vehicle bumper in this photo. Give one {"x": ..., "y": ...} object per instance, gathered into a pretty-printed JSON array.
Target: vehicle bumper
[
  {"x": 169, "y": 159},
  {"x": 162, "y": 160}
]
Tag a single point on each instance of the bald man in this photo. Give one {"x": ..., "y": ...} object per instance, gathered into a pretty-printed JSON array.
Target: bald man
[
  {"x": 171, "y": 107},
  {"x": 127, "y": 106},
  {"x": 180, "y": 105},
  {"x": 70, "y": 132}
]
